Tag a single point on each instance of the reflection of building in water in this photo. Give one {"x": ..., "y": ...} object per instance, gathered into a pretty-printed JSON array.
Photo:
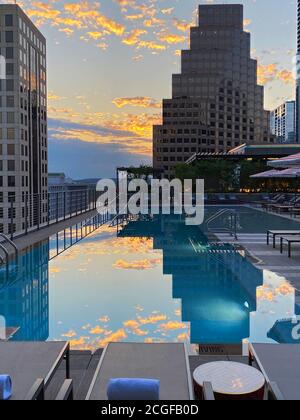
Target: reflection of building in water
[
  {"x": 275, "y": 317},
  {"x": 217, "y": 290},
  {"x": 24, "y": 295}
]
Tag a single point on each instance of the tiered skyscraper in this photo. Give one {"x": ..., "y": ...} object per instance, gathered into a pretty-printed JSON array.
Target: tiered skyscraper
[
  {"x": 23, "y": 123},
  {"x": 216, "y": 102}
]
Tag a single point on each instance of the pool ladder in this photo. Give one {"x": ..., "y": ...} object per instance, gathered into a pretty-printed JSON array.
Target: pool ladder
[
  {"x": 212, "y": 248},
  {"x": 5, "y": 243},
  {"x": 232, "y": 229}
]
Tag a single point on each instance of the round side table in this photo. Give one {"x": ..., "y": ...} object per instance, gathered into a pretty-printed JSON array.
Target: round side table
[{"x": 230, "y": 381}]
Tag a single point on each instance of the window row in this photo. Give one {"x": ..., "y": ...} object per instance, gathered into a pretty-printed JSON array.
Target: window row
[
  {"x": 7, "y": 36},
  {"x": 9, "y": 181},
  {"x": 7, "y": 165},
  {"x": 29, "y": 33},
  {"x": 8, "y": 149}
]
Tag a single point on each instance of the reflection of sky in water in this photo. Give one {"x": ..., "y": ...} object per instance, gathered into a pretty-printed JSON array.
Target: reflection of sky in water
[
  {"x": 107, "y": 288},
  {"x": 173, "y": 286},
  {"x": 275, "y": 302}
]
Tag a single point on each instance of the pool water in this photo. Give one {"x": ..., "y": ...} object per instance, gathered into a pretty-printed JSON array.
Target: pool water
[
  {"x": 252, "y": 221},
  {"x": 156, "y": 280}
]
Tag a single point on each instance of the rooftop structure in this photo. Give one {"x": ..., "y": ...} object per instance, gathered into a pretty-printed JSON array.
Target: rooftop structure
[{"x": 270, "y": 151}]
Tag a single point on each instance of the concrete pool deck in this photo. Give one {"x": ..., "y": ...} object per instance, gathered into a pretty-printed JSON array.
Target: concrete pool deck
[{"x": 264, "y": 257}]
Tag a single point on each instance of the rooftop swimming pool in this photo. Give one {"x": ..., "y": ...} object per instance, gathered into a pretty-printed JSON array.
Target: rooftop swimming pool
[
  {"x": 156, "y": 280},
  {"x": 252, "y": 220}
]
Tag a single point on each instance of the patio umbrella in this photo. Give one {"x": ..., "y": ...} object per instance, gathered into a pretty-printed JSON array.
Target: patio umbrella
[
  {"x": 287, "y": 173},
  {"x": 286, "y": 162},
  {"x": 267, "y": 174},
  {"x": 291, "y": 173}
]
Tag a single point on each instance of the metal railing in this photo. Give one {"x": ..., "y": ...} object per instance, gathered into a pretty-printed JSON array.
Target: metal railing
[
  {"x": 232, "y": 229},
  {"x": 69, "y": 237},
  {"x": 5, "y": 243},
  {"x": 25, "y": 213}
]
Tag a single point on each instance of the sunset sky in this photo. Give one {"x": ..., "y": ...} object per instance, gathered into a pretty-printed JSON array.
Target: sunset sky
[{"x": 110, "y": 64}]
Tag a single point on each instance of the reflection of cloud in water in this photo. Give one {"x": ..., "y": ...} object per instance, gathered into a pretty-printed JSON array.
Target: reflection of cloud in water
[
  {"x": 104, "y": 319},
  {"x": 270, "y": 293},
  {"x": 177, "y": 312},
  {"x": 53, "y": 269},
  {"x": 152, "y": 319},
  {"x": 275, "y": 302},
  {"x": 172, "y": 325},
  {"x": 146, "y": 264},
  {"x": 95, "y": 256},
  {"x": 153, "y": 329},
  {"x": 69, "y": 334},
  {"x": 113, "y": 246},
  {"x": 183, "y": 337},
  {"x": 97, "y": 330}
]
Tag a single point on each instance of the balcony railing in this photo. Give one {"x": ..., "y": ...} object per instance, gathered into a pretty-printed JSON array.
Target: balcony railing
[{"x": 28, "y": 213}]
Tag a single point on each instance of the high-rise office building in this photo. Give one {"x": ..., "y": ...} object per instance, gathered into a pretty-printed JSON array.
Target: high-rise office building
[
  {"x": 298, "y": 78},
  {"x": 23, "y": 123},
  {"x": 283, "y": 122},
  {"x": 216, "y": 102}
]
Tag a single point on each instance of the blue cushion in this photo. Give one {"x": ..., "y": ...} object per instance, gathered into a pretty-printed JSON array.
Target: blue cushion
[
  {"x": 5, "y": 387},
  {"x": 133, "y": 389}
]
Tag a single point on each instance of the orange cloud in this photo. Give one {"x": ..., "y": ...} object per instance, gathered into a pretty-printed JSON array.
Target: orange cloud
[
  {"x": 170, "y": 38},
  {"x": 67, "y": 31},
  {"x": 270, "y": 72},
  {"x": 181, "y": 25},
  {"x": 133, "y": 37},
  {"x": 43, "y": 11},
  {"x": 286, "y": 76},
  {"x": 134, "y": 145},
  {"x": 153, "y": 21},
  {"x": 247, "y": 22},
  {"x": 139, "y": 101},
  {"x": 54, "y": 270},
  {"x": 151, "y": 45},
  {"x": 69, "y": 22},
  {"x": 131, "y": 324},
  {"x": 140, "y": 125},
  {"x": 110, "y": 25},
  {"x": 95, "y": 35}
]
